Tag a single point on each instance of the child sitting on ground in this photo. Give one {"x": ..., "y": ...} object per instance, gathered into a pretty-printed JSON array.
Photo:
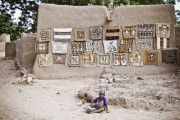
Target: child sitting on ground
[{"x": 99, "y": 104}]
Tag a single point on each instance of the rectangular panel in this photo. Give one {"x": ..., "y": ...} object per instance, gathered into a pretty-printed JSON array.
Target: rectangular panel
[
  {"x": 74, "y": 61},
  {"x": 62, "y": 33},
  {"x": 169, "y": 56},
  {"x": 112, "y": 32},
  {"x": 110, "y": 46},
  {"x": 96, "y": 33},
  {"x": 159, "y": 43},
  {"x": 125, "y": 45},
  {"x": 104, "y": 60},
  {"x": 79, "y": 34},
  {"x": 44, "y": 35},
  {"x": 93, "y": 46},
  {"x": 42, "y": 47},
  {"x": 89, "y": 60},
  {"x": 59, "y": 47},
  {"x": 163, "y": 30},
  {"x": 136, "y": 58},
  {"x": 151, "y": 57},
  {"x": 78, "y": 48},
  {"x": 45, "y": 59},
  {"x": 120, "y": 59},
  {"x": 143, "y": 44},
  {"x": 59, "y": 58},
  {"x": 130, "y": 31},
  {"x": 146, "y": 31}
]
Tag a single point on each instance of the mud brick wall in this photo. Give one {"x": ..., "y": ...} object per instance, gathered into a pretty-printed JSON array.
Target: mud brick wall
[
  {"x": 10, "y": 50},
  {"x": 57, "y": 16},
  {"x": 3, "y": 39},
  {"x": 177, "y": 41}
]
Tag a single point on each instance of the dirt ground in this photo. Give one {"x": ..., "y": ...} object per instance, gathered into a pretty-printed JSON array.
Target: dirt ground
[{"x": 57, "y": 99}]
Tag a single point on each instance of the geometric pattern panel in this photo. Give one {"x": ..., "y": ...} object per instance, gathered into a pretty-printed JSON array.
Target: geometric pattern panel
[
  {"x": 136, "y": 58},
  {"x": 96, "y": 33},
  {"x": 146, "y": 31},
  {"x": 45, "y": 59},
  {"x": 125, "y": 46},
  {"x": 110, "y": 46},
  {"x": 79, "y": 34},
  {"x": 59, "y": 58},
  {"x": 161, "y": 43},
  {"x": 163, "y": 30},
  {"x": 42, "y": 47},
  {"x": 104, "y": 60},
  {"x": 120, "y": 59},
  {"x": 74, "y": 61},
  {"x": 143, "y": 44},
  {"x": 169, "y": 56},
  {"x": 62, "y": 33},
  {"x": 151, "y": 57},
  {"x": 112, "y": 32},
  {"x": 89, "y": 60},
  {"x": 44, "y": 35},
  {"x": 93, "y": 46},
  {"x": 129, "y": 31},
  {"x": 77, "y": 48},
  {"x": 59, "y": 47}
]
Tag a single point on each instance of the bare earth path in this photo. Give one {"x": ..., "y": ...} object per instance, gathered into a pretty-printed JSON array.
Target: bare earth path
[{"x": 56, "y": 100}]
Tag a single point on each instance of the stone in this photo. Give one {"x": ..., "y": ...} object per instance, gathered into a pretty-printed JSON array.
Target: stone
[
  {"x": 140, "y": 78},
  {"x": 110, "y": 80},
  {"x": 82, "y": 94},
  {"x": 79, "y": 103},
  {"x": 29, "y": 80},
  {"x": 89, "y": 97},
  {"x": 102, "y": 80}
]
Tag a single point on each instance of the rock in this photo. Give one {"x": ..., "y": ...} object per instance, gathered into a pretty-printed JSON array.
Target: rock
[
  {"x": 29, "y": 80},
  {"x": 58, "y": 93},
  {"x": 82, "y": 94},
  {"x": 79, "y": 103},
  {"x": 110, "y": 80},
  {"x": 140, "y": 78},
  {"x": 89, "y": 97},
  {"x": 102, "y": 80},
  {"x": 97, "y": 90},
  {"x": 31, "y": 75},
  {"x": 19, "y": 73}
]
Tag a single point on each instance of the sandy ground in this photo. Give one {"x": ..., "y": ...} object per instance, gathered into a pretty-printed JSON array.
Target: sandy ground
[{"x": 56, "y": 100}]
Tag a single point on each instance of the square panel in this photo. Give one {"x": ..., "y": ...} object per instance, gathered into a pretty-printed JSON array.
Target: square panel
[
  {"x": 120, "y": 59},
  {"x": 125, "y": 45},
  {"x": 79, "y": 34},
  {"x": 104, "y": 60},
  {"x": 151, "y": 57},
  {"x": 59, "y": 58},
  {"x": 110, "y": 46},
  {"x": 96, "y": 33},
  {"x": 163, "y": 30},
  {"x": 59, "y": 47},
  {"x": 74, "y": 61},
  {"x": 42, "y": 47},
  {"x": 136, "y": 58},
  {"x": 143, "y": 44},
  {"x": 89, "y": 46},
  {"x": 62, "y": 33},
  {"x": 45, "y": 59},
  {"x": 161, "y": 43},
  {"x": 130, "y": 31},
  {"x": 44, "y": 35},
  {"x": 169, "y": 56},
  {"x": 146, "y": 31},
  {"x": 112, "y": 32},
  {"x": 78, "y": 48},
  {"x": 89, "y": 60}
]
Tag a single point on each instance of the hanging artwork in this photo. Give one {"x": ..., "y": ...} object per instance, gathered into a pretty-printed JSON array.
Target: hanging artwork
[
  {"x": 151, "y": 57},
  {"x": 59, "y": 58},
  {"x": 89, "y": 46},
  {"x": 96, "y": 33},
  {"x": 112, "y": 32},
  {"x": 59, "y": 47},
  {"x": 163, "y": 30},
  {"x": 110, "y": 46},
  {"x": 129, "y": 31},
  {"x": 74, "y": 61},
  {"x": 120, "y": 59},
  {"x": 79, "y": 34},
  {"x": 125, "y": 45},
  {"x": 136, "y": 58},
  {"x": 89, "y": 60},
  {"x": 42, "y": 47},
  {"x": 104, "y": 60},
  {"x": 161, "y": 43},
  {"x": 169, "y": 56},
  {"x": 143, "y": 44},
  {"x": 77, "y": 48},
  {"x": 93, "y": 46},
  {"x": 44, "y": 35},
  {"x": 146, "y": 31},
  {"x": 45, "y": 59},
  {"x": 62, "y": 33}
]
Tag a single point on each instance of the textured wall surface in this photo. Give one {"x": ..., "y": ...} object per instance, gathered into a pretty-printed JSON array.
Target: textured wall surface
[
  {"x": 57, "y": 16},
  {"x": 10, "y": 50}
]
